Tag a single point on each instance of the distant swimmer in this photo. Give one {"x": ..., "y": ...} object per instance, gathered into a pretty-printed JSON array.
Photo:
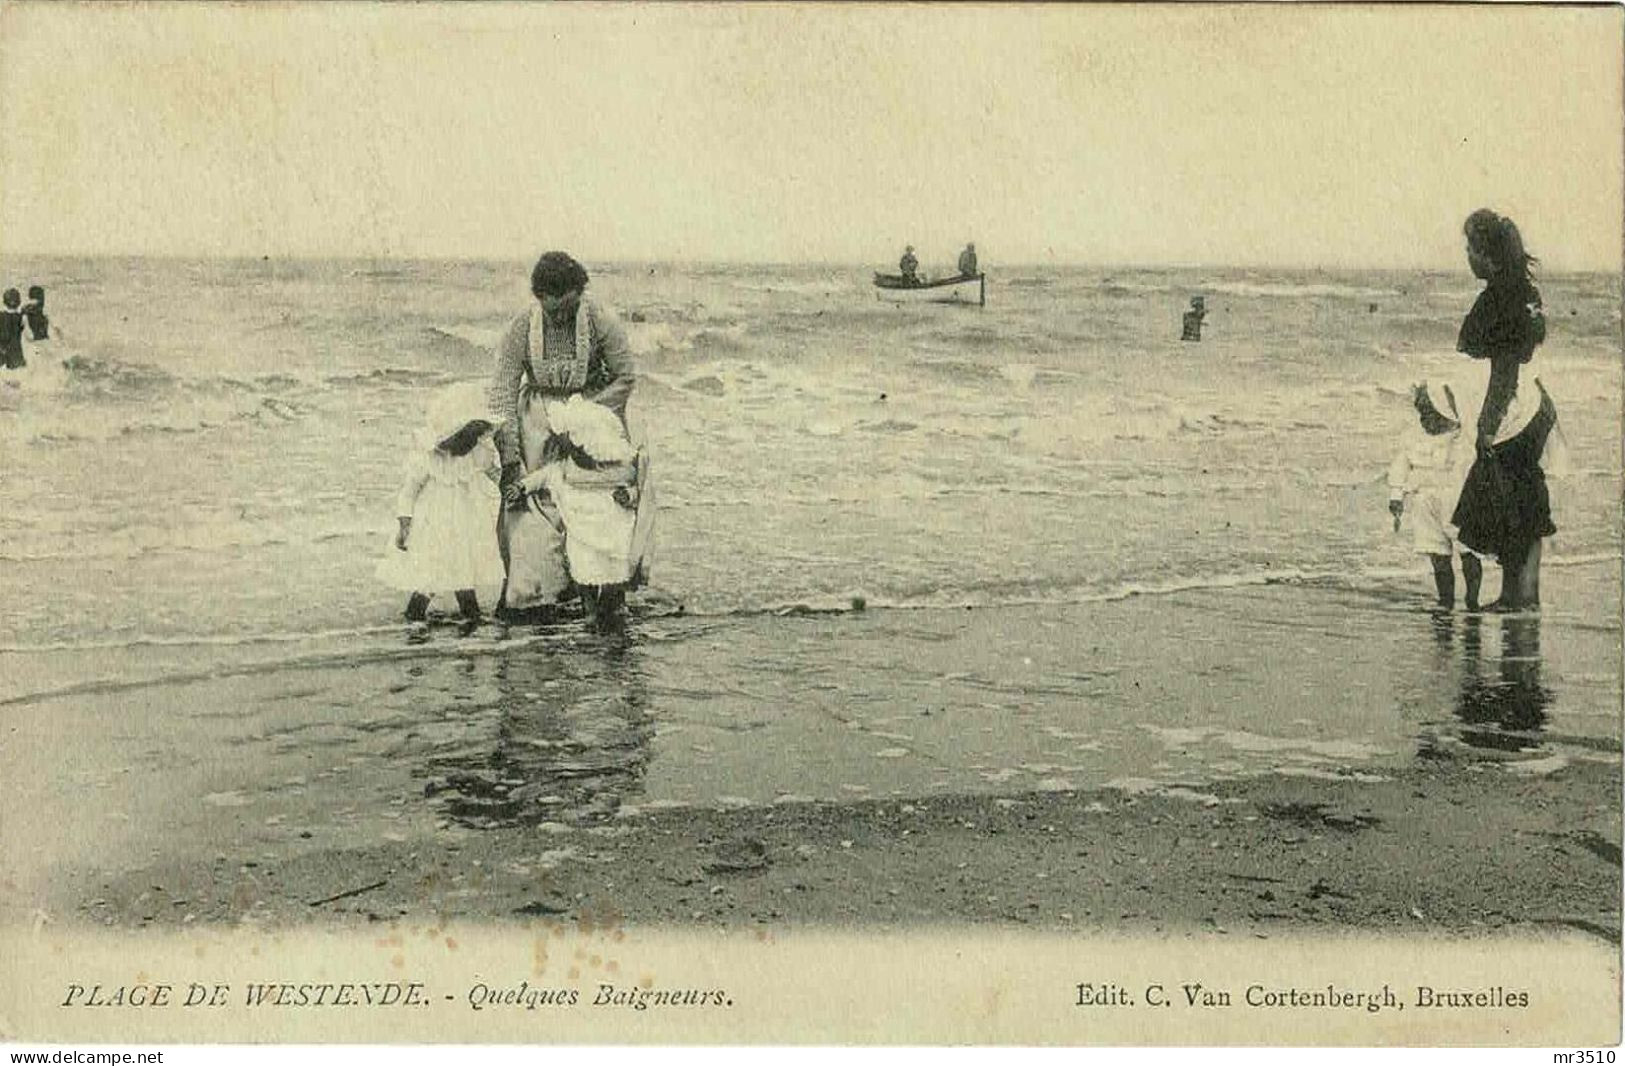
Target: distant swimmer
[
  {"x": 909, "y": 266},
  {"x": 967, "y": 262},
  {"x": 11, "y": 331},
  {"x": 1193, "y": 320},
  {"x": 39, "y": 324}
]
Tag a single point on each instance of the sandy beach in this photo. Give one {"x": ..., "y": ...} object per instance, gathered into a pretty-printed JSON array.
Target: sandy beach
[{"x": 1276, "y": 855}]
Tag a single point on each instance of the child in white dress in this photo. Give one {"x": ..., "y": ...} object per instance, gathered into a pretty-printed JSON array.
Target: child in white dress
[
  {"x": 447, "y": 507},
  {"x": 594, "y": 484},
  {"x": 1424, "y": 482}
]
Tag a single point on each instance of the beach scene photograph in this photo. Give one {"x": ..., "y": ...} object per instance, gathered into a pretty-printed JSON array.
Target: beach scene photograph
[{"x": 487, "y": 487}]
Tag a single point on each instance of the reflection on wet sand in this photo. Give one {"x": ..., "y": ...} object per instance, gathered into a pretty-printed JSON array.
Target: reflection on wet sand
[
  {"x": 572, "y": 740},
  {"x": 556, "y": 727},
  {"x": 1503, "y": 708}
]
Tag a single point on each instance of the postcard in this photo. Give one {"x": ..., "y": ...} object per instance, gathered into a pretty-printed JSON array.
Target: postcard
[{"x": 811, "y": 524}]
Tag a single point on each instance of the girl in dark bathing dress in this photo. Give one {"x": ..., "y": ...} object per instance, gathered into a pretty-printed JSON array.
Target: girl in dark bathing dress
[
  {"x": 11, "y": 331},
  {"x": 1504, "y": 509},
  {"x": 39, "y": 323}
]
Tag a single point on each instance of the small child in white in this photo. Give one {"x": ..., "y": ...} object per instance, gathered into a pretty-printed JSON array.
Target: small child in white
[
  {"x": 447, "y": 507},
  {"x": 594, "y": 484},
  {"x": 1425, "y": 480}
]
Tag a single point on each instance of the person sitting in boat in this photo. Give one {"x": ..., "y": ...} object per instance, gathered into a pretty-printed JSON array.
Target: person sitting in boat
[
  {"x": 566, "y": 344},
  {"x": 967, "y": 262},
  {"x": 909, "y": 266}
]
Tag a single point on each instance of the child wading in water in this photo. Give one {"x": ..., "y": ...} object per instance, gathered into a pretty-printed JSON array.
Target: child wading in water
[
  {"x": 11, "y": 331},
  {"x": 594, "y": 485},
  {"x": 39, "y": 323},
  {"x": 1425, "y": 479},
  {"x": 447, "y": 508}
]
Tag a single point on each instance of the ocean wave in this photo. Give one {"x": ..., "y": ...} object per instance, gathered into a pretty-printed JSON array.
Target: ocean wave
[
  {"x": 1389, "y": 586},
  {"x": 40, "y": 378},
  {"x": 391, "y": 377},
  {"x": 204, "y": 640},
  {"x": 982, "y": 338},
  {"x": 362, "y": 646},
  {"x": 87, "y": 376},
  {"x": 104, "y": 384},
  {"x": 259, "y": 383},
  {"x": 1587, "y": 559},
  {"x": 817, "y": 287},
  {"x": 886, "y": 425},
  {"x": 960, "y": 371},
  {"x": 996, "y": 487},
  {"x": 1212, "y": 423},
  {"x": 725, "y": 336},
  {"x": 1005, "y": 594},
  {"x": 726, "y": 339},
  {"x": 1300, "y": 290},
  {"x": 736, "y": 380},
  {"x": 201, "y": 537},
  {"x": 100, "y": 426},
  {"x": 651, "y": 338},
  {"x": 1367, "y": 581},
  {"x": 89, "y": 373},
  {"x": 1013, "y": 373},
  {"x": 353, "y": 656},
  {"x": 400, "y": 273},
  {"x": 464, "y": 344}
]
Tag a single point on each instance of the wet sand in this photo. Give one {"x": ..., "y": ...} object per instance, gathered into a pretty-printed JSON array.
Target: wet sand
[
  {"x": 1247, "y": 762},
  {"x": 1462, "y": 850}
]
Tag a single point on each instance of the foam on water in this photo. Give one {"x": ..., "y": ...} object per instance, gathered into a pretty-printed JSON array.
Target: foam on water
[
  {"x": 1059, "y": 444},
  {"x": 1369, "y": 582}
]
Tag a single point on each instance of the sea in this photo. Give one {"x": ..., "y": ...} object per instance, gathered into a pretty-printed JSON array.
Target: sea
[{"x": 1041, "y": 543}]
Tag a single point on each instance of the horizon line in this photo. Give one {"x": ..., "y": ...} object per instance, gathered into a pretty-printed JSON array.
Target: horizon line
[{"x": 309, "y": 257}]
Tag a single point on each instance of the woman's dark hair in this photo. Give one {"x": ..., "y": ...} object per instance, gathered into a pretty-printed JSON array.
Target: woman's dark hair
[
  {"x": 12, "y": 298},
  {"x": 1497, "y": 237},
  {"x": 36, "y": 293},
  {"x": 557, "y": 273}
]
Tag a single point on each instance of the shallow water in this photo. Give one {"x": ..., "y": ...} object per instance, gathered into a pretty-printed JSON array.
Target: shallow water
[
  {"x": 570, "y": 733},
  {"x": 1172, "y": 553}
]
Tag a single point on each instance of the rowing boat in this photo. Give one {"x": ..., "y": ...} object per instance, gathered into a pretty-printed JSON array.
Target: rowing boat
[{"x": 961, "y": 288}]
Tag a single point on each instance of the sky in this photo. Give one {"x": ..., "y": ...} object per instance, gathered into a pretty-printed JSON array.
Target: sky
[{"x": 1115, "y": 134}]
